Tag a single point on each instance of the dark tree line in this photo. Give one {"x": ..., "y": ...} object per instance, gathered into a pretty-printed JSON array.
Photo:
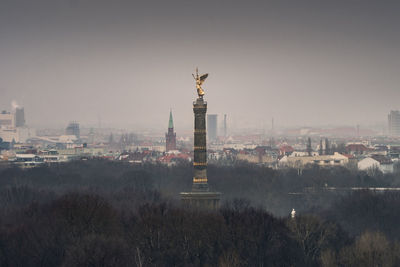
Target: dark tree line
[
  {"x": 85, "y": 230},
  {"x": 103, "y": 213}
]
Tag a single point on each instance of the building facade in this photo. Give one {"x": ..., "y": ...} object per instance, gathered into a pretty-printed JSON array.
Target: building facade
[
  {"x": 73, "y": 129},
  {"x": 336, "y": 159},
  {"x": 7, "y": 120},
  {"x": 19, "y": 117},
  {"x": 394, "y": 123},
  {"x": 13, "y": 128}
]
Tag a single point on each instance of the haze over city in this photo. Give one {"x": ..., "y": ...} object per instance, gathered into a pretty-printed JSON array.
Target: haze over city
[
  {"x": 199, "y": 133},
  {"x": 126, "y": 63}
]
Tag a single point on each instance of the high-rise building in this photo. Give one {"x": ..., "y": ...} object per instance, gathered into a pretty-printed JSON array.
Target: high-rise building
[
  {"x": 73, "y": 129},
  {"x": 212, "y": 131},
  {"x": 7, "y": 120},
  {"x": 309, "y": 148},
  {"x": 170, "y": 136},
  {"x": 19, "y": 117},
  {"x": 394, "y": 122},
  {"x": 91, "y": 136},
  {"x": 12, "y": 126},
  {"x": 225, "y": 126}
]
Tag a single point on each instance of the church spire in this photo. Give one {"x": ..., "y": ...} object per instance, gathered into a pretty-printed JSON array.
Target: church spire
[
  {"x": 170, "y": 136},
  {"x": 171, "y": 121}
]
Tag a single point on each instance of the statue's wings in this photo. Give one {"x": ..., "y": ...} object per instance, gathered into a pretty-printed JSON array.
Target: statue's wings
[{"x": 203, "y": 77}]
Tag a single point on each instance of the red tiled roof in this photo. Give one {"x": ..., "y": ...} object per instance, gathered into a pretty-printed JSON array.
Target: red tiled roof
[
  {"x": 168, "y": 158},
  {"x": 382, "y": 159},
  {"x": 286, "y": 148}
]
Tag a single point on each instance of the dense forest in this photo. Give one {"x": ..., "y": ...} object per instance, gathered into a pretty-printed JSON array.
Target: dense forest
[{"x": 105, "y": 213}]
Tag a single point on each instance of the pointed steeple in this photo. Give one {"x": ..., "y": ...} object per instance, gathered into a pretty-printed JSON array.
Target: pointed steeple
[
  {"x": 170, "y": 136},
  {"x": 171, "y": 121}
]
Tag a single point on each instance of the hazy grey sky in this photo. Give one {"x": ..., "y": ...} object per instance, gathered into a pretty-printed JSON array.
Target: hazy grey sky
[{"x": 129, "y": 62}]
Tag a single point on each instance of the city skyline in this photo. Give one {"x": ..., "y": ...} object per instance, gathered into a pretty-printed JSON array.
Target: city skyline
[
  {"x": 304, "y": 64},
  {"x": 237, "y": 127}
]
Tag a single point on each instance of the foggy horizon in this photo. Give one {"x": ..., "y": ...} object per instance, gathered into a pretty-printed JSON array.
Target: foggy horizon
[{"x": 127, "y": 64}]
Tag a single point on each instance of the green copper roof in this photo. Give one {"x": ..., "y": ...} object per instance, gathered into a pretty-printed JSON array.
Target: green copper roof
[{"x": 171, "y": 121}]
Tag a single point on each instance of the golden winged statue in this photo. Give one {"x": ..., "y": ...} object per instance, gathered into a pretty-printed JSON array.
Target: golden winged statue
[{"x": 199, "y": 81}]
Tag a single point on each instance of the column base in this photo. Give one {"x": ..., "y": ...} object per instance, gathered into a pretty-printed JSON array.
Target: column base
[
  {"x": 201, "y": 200},
  {"x": 200, "y": 187}
]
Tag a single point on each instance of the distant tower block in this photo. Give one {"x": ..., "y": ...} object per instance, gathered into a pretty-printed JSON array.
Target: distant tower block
[
  {"x": 200, "y": 197},
  {"x": 225, "y": 126},
  {"x": 170, "y": 136},
  {"x": 309, "y": 148},
  {"x": 73, "y": 129},
  {"x": 212, "y": 126},
  {"x": 19, "y": 117},
  {"x": 91, "y": 136},
  {"x": 394, "y": 123}
]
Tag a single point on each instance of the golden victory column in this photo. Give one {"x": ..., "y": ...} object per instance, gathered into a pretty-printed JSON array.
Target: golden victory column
[{"x": 200, "y": 197}]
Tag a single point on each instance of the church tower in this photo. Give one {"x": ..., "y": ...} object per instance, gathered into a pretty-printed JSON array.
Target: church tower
[{"x": 170, "y": 136}]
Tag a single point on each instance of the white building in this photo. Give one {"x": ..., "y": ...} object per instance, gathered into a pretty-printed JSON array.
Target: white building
[
  {"x": 368, "y": 164},
  {"x": 336, "y": 159},
  {"x": 384, "y": 164},
  {"x": 7, "y": 120},
  {"x": 13, "y": 129},
  {"x": 28, "y": 160},
  {"x": 19, "y": 134},
  {"x": 303, "y": 153}
]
